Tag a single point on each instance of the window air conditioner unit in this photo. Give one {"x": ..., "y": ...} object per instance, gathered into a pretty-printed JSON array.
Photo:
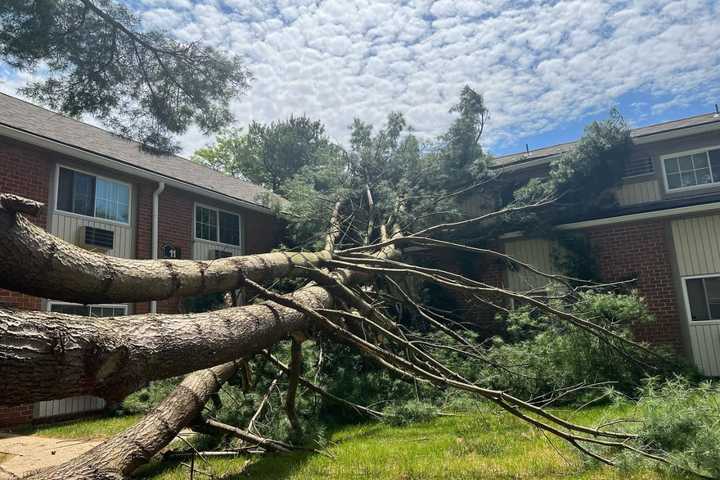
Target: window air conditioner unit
[
  {"x": 220, "y": 254},
  {"x": 97, "y": 239}
]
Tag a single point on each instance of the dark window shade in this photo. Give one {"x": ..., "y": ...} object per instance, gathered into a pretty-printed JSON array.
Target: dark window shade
[
  {"x": 715, "y": 164},
  {"x": 76, "y": 192},
  {"x": 65, "y": 190},
  {"x": 697, "y": 299},
  {"x": 229, "y": 228}
]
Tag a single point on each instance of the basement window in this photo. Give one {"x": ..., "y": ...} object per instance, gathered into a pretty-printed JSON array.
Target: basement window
[
  {"x": 93, "y": 196},
  {"x": 703, "y": 298},
  {"x": 695, "y": 169},
  {"x": 89, "y": 310}
]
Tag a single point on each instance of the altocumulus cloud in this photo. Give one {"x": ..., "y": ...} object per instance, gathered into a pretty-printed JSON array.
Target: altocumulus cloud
[{"x": 538, "y": 63}]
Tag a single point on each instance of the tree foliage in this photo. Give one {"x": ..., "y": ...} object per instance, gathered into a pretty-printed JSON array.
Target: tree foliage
[
  {"x": 269, "y": 154},
  {"x": 100, "y": 61}
]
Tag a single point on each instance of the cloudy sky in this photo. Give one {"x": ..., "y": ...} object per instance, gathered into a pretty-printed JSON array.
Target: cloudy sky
[{"x": 546, "y": 68}]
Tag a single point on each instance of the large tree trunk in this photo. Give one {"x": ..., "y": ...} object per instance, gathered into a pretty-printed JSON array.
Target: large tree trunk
[
  {"x": 124, "y": 453},
  {"x": 34, "y": 262},
  {"x": 46, "y": 356}
]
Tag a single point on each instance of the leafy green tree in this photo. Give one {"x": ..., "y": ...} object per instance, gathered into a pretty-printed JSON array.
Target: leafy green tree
[
  {"x": 461, "y": 152},
  {"x": 269, "y": 154},
  {"x": 144, "y": 84}
]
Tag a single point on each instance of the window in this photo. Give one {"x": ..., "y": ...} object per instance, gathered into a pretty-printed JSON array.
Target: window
[
  {"x": 217, "y": 225},
  {"x": 693, "y": 169},
  {"x": 93, "y": 196},
  {"x": 703, "y": 297},
  {"x": 89, "y": 310}
]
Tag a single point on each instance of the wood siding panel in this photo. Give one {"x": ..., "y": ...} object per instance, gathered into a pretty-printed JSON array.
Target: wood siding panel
[
  {"x": 697, "y": 249},
  {"x": 697, "y": 245},
  {"x": 68, "y": 228},
  {"x": 536, "y": 252},
  {"x": 638, "y": 192},
  {"x": 67, "y": 406},
  {"x": 206, "y": 250}
]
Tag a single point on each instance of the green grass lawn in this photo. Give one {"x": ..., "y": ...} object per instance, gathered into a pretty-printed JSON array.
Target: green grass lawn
[{"x": 480, "y": 445}]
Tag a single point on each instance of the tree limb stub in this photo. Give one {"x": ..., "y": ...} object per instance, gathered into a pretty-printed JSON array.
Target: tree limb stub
[
  {"x": 122, "y": 454},
  {"x": 35, "y": 262}
]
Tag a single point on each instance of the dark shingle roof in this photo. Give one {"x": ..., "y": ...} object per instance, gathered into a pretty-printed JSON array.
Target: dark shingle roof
[
  {"x": 21, "y": 115},
  {"x": 541, "y": 153}
]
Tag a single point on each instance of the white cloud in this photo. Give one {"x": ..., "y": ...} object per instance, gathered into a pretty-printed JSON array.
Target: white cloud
[{"x": 539, "y": 63}]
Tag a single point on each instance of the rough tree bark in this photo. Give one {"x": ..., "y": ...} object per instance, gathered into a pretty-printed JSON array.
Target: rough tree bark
[
  {"x": 34, "y": 262},
  {"x": 46, "y": 356},
  {"x": 124, "y": 453}
]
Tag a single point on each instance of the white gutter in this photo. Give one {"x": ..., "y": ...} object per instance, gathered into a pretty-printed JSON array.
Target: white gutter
[
  {"x": 633, "y": 217},
  {"x": 155, "y": 217},
  {"x": 121, "y": 166}
]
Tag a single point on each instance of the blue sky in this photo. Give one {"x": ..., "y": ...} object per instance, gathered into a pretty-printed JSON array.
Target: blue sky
[{"x": 546, "y": 68}]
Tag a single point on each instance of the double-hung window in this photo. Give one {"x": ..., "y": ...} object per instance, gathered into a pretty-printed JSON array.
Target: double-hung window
[
  {"x": 692, "y": 169},
  {"x": 217, "y": 225},
  {"x": 93, "y": 196},
  {"x": 703, "y": 297}
]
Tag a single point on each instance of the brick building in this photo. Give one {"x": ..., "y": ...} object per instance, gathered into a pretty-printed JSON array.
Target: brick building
[
  {"x": 663, "y": 231},
  {"x": 104, "y": 193}
]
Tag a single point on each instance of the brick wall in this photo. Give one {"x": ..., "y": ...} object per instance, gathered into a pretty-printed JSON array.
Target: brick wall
[
  {"x": 25, "y": 171},
  {"x": 175, "y": 226},
  {"x": 16, "y": 415},
  {"x": 641, "y": 250}
]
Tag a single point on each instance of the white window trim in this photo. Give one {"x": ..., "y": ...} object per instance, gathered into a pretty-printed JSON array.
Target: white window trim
[
  {"x": 218, "y": 242},
  {"x": 124, "y": 306},
  {"x": 80, "y": 215},
  {"x": 688, "y": 313},
  {"x": 681, "y": 154}
]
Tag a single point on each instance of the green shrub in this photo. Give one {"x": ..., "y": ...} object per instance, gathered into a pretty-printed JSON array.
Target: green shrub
[
  {"x": 147, "y": 398},
  {"x": 542, "y": 355},
  {"x": 684, "y": 422}
]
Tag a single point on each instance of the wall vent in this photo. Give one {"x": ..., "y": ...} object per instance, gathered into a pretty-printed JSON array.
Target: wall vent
[
  {"x": 221, "y": 254},
  {"x": 93, "y": 238},
  {"x": 637, "y": 166}
]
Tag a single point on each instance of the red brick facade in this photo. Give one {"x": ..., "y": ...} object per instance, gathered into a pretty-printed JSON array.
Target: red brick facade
[
  {"x": 16, "y": 415},
  {"x": 643, "y": 250},
  {"x": 25, "y": 171},
  {"x": 28, "y": 171}
]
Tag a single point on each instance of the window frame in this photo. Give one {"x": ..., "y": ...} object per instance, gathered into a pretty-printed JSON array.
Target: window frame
[
  {"x": 686, "y": 297},
  {"x": 124, "y": 306},
  {"x": 93, "y": 217},
  {"x": 217, "y": 210},
  {"x": 683, "y": 153}
]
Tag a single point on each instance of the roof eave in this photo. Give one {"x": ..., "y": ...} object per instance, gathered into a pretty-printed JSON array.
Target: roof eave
[
  {"x": 638, "y": 140},
  {"x": 119, "y": 165}
]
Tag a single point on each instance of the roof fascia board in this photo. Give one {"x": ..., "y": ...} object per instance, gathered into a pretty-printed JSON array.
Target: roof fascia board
[
  {"x": 633, "y": 217},
  {"x": 121, "y": 166}
]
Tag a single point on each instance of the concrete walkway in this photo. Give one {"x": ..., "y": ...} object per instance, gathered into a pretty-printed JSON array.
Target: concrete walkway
[{"x": 27, "y": 453}]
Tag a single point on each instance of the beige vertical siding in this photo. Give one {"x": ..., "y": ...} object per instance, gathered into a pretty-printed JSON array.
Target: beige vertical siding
[
  {"x": 697, "y": 249},
  {"x": 536, "y": 252},
  {"x": 205, "y": 250},
  {"x": 67, "y": 406},
  {"x": 68, "y": 228},
  {"x": 638, "y": 192},
  {"x": 697, "y": 244}
]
